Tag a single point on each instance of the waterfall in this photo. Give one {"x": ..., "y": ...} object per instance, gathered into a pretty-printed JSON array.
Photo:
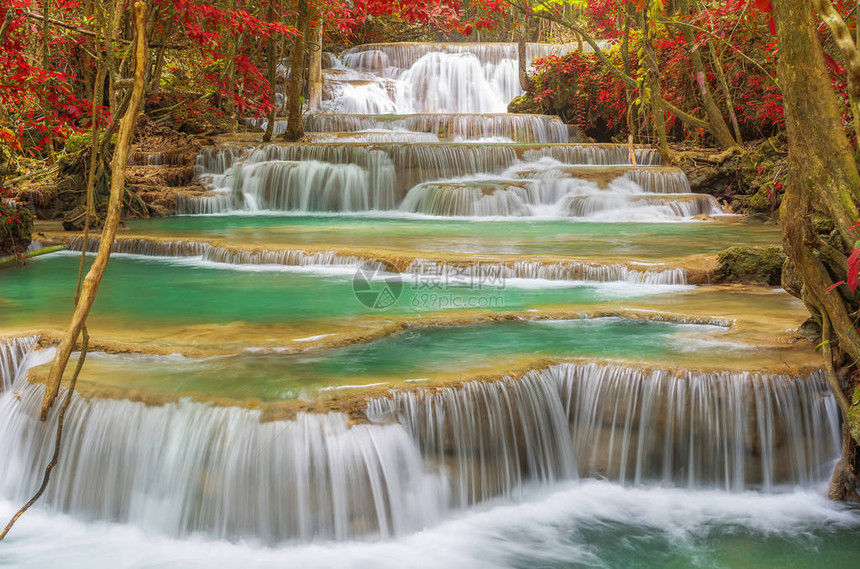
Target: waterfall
[
  {"x": 148, "y": 247},
  {"x": 564, "y": 271},
  {"x": 725, "y": 430},
  {"x": 551, "y": 195},
  {"x": 188, "y": 468},
  {"x": 490, "y": 437},
  {"x": 598, "y": 154},
  {"x": 469, "y": 199},
  {"x": 375, "y": 57},
  {"x": 446, "y": 83},
  {"x": 184, "y": 468},
  {"x": 645, "y": 207},
  {"x": 12, "y": 355},
  {"x": 307, "y": 186},
  {"x": 489, "y": 270},
  {"x": 448, "y": 126},
  {"x": 435, "y": 78},
  {"x": 363, "y": 176},
  {"x": 213, "y": 203}
]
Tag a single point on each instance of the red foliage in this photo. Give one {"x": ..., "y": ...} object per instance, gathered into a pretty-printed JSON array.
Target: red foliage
[{"x": 581, "y": 89}]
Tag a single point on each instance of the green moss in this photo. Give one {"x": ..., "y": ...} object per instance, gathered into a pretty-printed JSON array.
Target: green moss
[
  {"x": 853, "y": 417},
  {"x": 752, "y": 264},
  {"x": 822, "y": 224},
  {"x": 525, "y": 104}
]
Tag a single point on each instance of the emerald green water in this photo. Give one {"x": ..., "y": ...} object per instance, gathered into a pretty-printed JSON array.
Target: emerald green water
[
  {"x": 408, "y": 356},
  {"x": 512, "y": 236},
  {"x": 152, "y": 292}
]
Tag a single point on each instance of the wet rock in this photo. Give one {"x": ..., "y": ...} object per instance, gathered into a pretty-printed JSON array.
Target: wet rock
[
  {"x": 16, "y": 236},
  {"x": 810, "y": 330},
  {"x": 791, "y": 280},
  {"x": 853, "y": 418},
  {"x": 752, "y": 265},
  {"x": 525, "y": 104}
]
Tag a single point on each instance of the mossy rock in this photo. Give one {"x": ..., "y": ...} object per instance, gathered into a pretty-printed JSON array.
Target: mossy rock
[
  {"x": 853, "y": 418},
  {"x": 15, "y": 236},
  {"x": 752, "y": 264},
  {"x": 525, "y": 104}
]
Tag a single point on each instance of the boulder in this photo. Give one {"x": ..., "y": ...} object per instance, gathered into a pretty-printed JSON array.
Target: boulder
[{"x": 752, "y": 265}]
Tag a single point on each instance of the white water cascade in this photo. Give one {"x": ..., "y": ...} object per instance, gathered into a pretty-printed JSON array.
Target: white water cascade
[
  {"x": 422, "y": 129},
  {"x": 483, "y": 270},
  {"x": 429, "y": 78},
  {"x": 446, "y": 179},
  {"x": 185, "y": 468},
  {"x": 732, "y": 431},
  {"x": 13, "y": 353}
]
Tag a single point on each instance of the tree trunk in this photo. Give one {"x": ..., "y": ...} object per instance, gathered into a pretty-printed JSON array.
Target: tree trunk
[
  {"x": 271, "y": 65},
  {"x": 654, "y": 85},
  {"x": 842, "y": 37},
  {"x": 822, "y": 182},
  {"x": 727, "y": 93},
  {"x": 113, "y": 68},
  {"x": 632, "y": 109},
  {"x": 315, "y": 76},
  {"x": 295, "y": 131},
  {"x": 522, "y": 58},
  {"x": 117, "y": 190},
  {"x": 718, "y": 127}
]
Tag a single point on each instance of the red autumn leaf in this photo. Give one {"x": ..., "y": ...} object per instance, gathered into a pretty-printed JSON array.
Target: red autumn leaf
[
  {"x": 853, "y": 268},
  {"x": 833, "y": 64},
  {"x": 764, "y": 5}
]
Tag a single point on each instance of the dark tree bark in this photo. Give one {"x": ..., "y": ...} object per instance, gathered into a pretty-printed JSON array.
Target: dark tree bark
[
  {"x": 295, "y": 131},
  {"x": 271, "y": 66},
  {"x": 315, "y": 77},
  {"x": 823, "y": 184}
]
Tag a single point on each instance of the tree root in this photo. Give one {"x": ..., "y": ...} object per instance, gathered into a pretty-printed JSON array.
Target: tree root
[{"x": 708, "y": 157}]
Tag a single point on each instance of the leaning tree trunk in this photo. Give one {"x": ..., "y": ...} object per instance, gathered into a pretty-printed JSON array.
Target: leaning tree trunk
[
  {"x": 656, "y": 100},
  {"x": 842, "y": 37},
  {"x": 719, "y": 128},
  {"x": 295, "y": 131},
  {"x": 271, "y": 64},
  {"x": 522, "y": 57},
  {"x": 315, "y": 76},
  {"x": 120, "y": 159},
  {"x": 822, "y": 189}
]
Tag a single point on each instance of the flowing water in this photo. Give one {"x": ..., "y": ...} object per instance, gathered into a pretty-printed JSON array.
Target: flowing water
[{"x": 431, "y": 335}]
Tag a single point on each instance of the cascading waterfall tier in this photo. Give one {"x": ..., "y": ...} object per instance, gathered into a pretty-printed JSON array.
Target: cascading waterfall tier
[
  {"x": 563, "y": 271},
  {"x": 441, "y": 127},
  {"x": 187, "y": 468},
  {"x": 404, "y": 55},
  {"x": 428, "y": 77},
  {"x": 732, "y": 431},
  {"x": 482, "y": 270},
  {"x": 360, "y": 177},
  {"x": 563, "y": 193},
  {"x": 12, "y": 354}
]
